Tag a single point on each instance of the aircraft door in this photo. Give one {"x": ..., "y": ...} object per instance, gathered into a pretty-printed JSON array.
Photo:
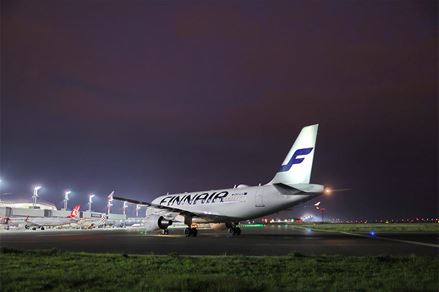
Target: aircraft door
[{"x": 259, "y": 199}]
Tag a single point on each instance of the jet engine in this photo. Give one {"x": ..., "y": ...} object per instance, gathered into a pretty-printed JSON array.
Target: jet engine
[{"x": 154, "y": 222}]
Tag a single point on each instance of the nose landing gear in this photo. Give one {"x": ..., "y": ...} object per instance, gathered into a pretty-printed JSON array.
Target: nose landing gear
[
  {"x": 233, "y": 229},
  {"x": 191, "y": 231}
]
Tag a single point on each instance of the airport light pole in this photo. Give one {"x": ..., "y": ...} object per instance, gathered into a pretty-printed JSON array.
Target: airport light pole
[
  {"x": 35, "y": 196},
  {"x": 137, "y": 210},
  {"x": 321, "y": 210},
  {"x": 109, "y": 205},
  {"x": 109, "y": 202},
  {"x": 125, "y": 206},
  {"x": 90, "y": 201},
  {"x": 0, "y": 187},
  {"x": 66, "y": 198}
]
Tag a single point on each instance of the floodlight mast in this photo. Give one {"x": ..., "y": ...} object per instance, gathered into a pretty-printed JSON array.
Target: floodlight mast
[
  {"x": 35, "y": 196},
  {"x": 125, "y": 206},
  {"x": 90, "y": 201},
  {"x": 109, "y": 202},
  {"x": 66, "y": 198},
  {"x": 109, "y": 205}
]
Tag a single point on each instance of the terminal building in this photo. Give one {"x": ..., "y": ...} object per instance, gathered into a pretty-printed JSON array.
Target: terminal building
[{"x": 25, "y": 208}]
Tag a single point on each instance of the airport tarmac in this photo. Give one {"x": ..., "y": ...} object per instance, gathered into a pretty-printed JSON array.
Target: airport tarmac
[{"x": 256, "y": 241}]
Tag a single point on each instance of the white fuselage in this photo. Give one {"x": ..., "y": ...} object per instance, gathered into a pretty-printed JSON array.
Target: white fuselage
[
  {"x": 89, "y": 223},
  {"x": 40, "y": 221},
  {"x": 237, "y": 204}
]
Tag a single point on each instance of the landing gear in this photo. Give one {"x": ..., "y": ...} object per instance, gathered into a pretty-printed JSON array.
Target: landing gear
[
  {"x": 34, "y": 228},
  {"x": 191, "y": 232},
  {"x": 233, "y": 229},
  {"x": 42, "y": 228},
  {"x": 165, "y": 231}
]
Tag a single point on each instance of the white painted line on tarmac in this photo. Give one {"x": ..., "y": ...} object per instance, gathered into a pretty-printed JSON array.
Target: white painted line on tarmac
[
  {"x": 394, "y": 239},
  {"x": 378, "y": 237}
]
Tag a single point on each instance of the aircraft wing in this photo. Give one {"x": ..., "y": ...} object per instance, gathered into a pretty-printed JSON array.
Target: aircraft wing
[
  {"x": 173, "y": 212},
  {"x": 155, "y": 206}
]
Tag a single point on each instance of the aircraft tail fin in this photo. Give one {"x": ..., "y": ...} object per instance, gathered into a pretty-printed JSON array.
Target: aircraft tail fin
[
  {"x": 74, "y": 212},
  {"x": 297, "y": 166},
  {"x": 103, "y": 219}
]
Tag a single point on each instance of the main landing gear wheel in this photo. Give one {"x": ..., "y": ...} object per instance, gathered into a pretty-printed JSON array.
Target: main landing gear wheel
[
  {"x": 191, "y": 232},
  {"x": 235, "y": 231},
  {"x": 165, "y": 231}
]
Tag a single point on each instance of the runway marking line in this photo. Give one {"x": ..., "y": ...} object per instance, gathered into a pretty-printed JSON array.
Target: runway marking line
[
  {"x": 394, "y": 239},
  {"x": 378, "y": 237}
]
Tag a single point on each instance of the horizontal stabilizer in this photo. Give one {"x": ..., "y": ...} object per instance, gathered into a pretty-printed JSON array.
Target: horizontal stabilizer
[{"x": 305, "y": 188}]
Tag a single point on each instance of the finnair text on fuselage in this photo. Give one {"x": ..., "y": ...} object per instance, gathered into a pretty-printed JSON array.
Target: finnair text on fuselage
[{"x": 197, "y": 199}]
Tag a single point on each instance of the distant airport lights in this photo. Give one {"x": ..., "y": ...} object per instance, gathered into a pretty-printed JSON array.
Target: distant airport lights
[
  {"x": 90, "y": 201},
  {"x": 35, "y": 195},
  {"x": 66, "y": 198}
]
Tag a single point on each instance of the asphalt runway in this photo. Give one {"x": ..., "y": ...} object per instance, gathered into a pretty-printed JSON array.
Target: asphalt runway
[{"x": 268, "y": 240}]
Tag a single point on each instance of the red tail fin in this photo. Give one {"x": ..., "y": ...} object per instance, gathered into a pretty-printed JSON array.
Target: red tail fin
[{"x": 75, "y": 212}]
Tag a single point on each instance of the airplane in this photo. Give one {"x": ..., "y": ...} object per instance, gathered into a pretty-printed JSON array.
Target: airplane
[
  {"x": 289, "y": 187},
  {"x": 8, "y": 222},
  {"x": 90, "y": 223},
  {"x": 41, "y": 222}
]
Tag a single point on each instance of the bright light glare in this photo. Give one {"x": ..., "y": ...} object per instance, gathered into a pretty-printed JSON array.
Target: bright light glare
[
  {"x": 36, "y": 190},
  {"x": 327, "y": 191}
]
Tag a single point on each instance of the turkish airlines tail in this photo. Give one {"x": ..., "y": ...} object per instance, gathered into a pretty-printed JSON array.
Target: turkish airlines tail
[
  {"x": 74, "y": 212},
  {"x": 296, "y": 168}
]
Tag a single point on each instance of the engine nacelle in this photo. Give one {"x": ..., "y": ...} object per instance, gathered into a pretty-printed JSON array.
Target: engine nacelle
[{"x": 154, "y": 222}]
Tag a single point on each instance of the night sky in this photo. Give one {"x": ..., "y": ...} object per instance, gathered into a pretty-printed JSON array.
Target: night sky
[{"x": 149, "y": 97}]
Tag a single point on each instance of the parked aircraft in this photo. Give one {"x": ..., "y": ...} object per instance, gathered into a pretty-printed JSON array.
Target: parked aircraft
[
  {"x": 90, "y": 223},
  {"x": 42, "y": 222},
  {"x": 289, "y": 187}
]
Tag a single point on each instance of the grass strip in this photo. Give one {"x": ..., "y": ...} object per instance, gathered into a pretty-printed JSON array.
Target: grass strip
[{"x": 68, "y": 271}]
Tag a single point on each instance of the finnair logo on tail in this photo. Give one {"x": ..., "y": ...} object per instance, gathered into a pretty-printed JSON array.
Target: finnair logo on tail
[{"x": 295, "y": 159}]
